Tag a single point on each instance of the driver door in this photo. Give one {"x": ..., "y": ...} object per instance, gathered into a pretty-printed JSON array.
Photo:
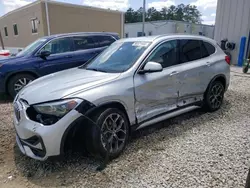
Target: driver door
[
  {"x": 61, "y": 56},
  {"x": 157, "y": 93}
]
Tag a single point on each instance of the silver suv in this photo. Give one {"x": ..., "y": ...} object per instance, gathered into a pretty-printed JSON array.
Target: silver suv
[{"x": 134, "y": 83}]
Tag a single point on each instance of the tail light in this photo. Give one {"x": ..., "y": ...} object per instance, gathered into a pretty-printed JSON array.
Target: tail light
[
  {"x": 4, "y": 53},
  {"x": 227, "y": 59}
]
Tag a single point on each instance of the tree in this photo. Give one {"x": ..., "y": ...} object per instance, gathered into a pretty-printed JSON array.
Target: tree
[
  {"x": 188, "y": 13},
  {"x": 129, "y": 16},
  {"x": 171, "y": 13}
]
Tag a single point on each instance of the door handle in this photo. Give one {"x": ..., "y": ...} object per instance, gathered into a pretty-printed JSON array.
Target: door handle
[
  {"x": 173, "y": 73},
  {"x": 208, "y": 64}
]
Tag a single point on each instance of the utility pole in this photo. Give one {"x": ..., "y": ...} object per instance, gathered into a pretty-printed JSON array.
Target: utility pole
[
  {"x": 47, "y": 16},
  {"x": 143, "y": 17}
]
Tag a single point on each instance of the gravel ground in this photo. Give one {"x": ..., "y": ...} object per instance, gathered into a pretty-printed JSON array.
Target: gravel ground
[{"x": 193, "y": 150}]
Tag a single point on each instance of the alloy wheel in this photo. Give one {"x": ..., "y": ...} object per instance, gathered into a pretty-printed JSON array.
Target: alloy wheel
[
  {"x": 216, "y": 96},
  {"x": 113, "y": 132},
  {"x": 21, "y": 83}
]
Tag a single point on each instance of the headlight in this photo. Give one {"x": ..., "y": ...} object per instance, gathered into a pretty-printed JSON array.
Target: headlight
[{"x": 58, "y": 109}]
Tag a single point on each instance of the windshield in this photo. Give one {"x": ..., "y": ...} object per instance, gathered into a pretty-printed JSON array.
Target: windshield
[
  {"x": 119, "y": 57},
  {"x": 30, "y": 48}
]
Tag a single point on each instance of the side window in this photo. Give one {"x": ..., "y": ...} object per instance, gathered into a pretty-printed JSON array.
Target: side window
[
  {"x": 166, "y": 54},
  {"x": 207, "y": 49},
  {"x": 15, "y": 29},
  {"x": 83, "y": 43},
  {"x": 190, "y": 50},
  {"x": 104, "y": 40},
  {"x": 34, "y": 25},
  {"x": 6, "y": 31},
  {"x": 59, "y": 46}
]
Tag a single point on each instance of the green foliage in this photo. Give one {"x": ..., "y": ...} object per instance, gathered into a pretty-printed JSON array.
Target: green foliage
[{"x": 188, "y": 13}]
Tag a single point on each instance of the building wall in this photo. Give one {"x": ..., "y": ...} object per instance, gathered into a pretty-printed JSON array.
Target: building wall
[
  {"x": 232, "y": 22},
  {"x": 65, "y": 18},
  {"x": 164, "y": 27},
  {"x": 22, "y": 18}
]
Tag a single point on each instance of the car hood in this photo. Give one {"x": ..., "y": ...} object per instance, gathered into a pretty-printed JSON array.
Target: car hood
[
  {"x": 58, "y": 85},
  {"x": 11, "y": 59}
]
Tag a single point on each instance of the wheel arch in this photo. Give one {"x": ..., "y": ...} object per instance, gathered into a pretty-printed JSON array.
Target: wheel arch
[
  {"x": 88, "y": 114},
  {"x": 219, "y": 77},
  {"x": 16, "y": 73}
]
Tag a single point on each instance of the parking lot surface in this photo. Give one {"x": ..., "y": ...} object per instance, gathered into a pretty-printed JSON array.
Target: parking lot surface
[{"x": 196, "y": 149}]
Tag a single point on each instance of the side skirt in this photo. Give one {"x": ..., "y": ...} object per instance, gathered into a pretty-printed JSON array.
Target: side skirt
[{"x": 166, "y": 115}]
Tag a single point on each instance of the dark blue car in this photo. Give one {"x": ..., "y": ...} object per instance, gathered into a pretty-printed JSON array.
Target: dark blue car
[{"x": 50, "y": 54}]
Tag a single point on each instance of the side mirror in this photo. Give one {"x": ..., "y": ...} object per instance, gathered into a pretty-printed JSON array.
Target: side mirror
[
  {"x": 44, "y": 54},
  {"x": 151, "y": 67}
]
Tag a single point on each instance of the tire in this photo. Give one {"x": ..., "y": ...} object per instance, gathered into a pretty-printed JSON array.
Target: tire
[
  {"x": 214, "y": 96},
  {"x": 245, "y": 69},
  {"x": 97, "y": 143},
  {"x": 19, "y": 79}
]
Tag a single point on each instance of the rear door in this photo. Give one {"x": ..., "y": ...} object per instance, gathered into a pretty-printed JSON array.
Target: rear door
[
  {"x": 192, "y": 72},
  {"x": 62, "y": 52},
  {"x": 85, "y": 49}
]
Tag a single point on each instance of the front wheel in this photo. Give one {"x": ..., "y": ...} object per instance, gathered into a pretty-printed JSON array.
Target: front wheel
[
  {"x": 109, "y": 134},
  {"x": 214, "y": 96},
  {"x": 17, "y": 83}
]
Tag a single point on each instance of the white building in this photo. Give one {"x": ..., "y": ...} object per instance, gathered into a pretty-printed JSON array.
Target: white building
[
  {"x": 168, "y": 26},
  {"x": 232, "y": 22}
]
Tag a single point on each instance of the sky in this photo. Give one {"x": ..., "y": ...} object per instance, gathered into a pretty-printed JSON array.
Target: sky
[{"x": 206, "y": 7}]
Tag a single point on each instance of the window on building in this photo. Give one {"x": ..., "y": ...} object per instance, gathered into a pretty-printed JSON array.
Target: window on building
[
  {"x": 104, "y": 40},
  {"x": 57, "y": 46},
  {"x": 34, "y": 25},
  {"x": 190, "y": 50},
  {"x": 83, "y": 43},
  {"x": 6, "y": 31},
  {"x": 126, "y": 35},
  {"x": 150, "y": 33},
  {"x": 15, "y": 29},
  {"x": 139, "y": 34},
  {"x": 166, "y": 54}
]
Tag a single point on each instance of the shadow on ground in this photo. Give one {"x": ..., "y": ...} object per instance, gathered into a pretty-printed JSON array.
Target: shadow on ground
[
  {"x": 63, "y": 172},
  {"x": 4, "y": 98}
]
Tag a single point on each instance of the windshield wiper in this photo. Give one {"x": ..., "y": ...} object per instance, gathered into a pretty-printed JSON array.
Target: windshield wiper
[{"x": 95, "y": 69}]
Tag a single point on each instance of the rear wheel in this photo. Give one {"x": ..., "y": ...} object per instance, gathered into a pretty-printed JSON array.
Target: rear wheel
[
  {"x": 110, "y": 134},
  {"x": 17, "y": 82},
  {"x": 214, "y": 96}
]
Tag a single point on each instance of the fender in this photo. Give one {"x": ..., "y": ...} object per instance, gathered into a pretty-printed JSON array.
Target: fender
[
  {"x": 86, "y": 108},
  {"x": 219, "y": 76}
]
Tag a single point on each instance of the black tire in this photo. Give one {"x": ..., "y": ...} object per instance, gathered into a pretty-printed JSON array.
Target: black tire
[
  {"x": 95, "y": 137},
  {"x": 214, "y": 96},
  {"x": 245, "y": 69},
  {"x": 13, "y": 80}
]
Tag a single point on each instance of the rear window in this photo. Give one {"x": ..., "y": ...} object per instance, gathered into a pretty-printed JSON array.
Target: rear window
[
  {"x": 207, "y": 49},
  {"x": 83, "y": 43},
  {"x": 190, "y": 50},
  {"x": 104, "y": 40}
]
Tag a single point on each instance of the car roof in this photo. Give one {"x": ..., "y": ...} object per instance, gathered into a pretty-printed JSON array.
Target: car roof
[
  {"x": 166, "y": 36},
  {"x": 80, "y": 34}
]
